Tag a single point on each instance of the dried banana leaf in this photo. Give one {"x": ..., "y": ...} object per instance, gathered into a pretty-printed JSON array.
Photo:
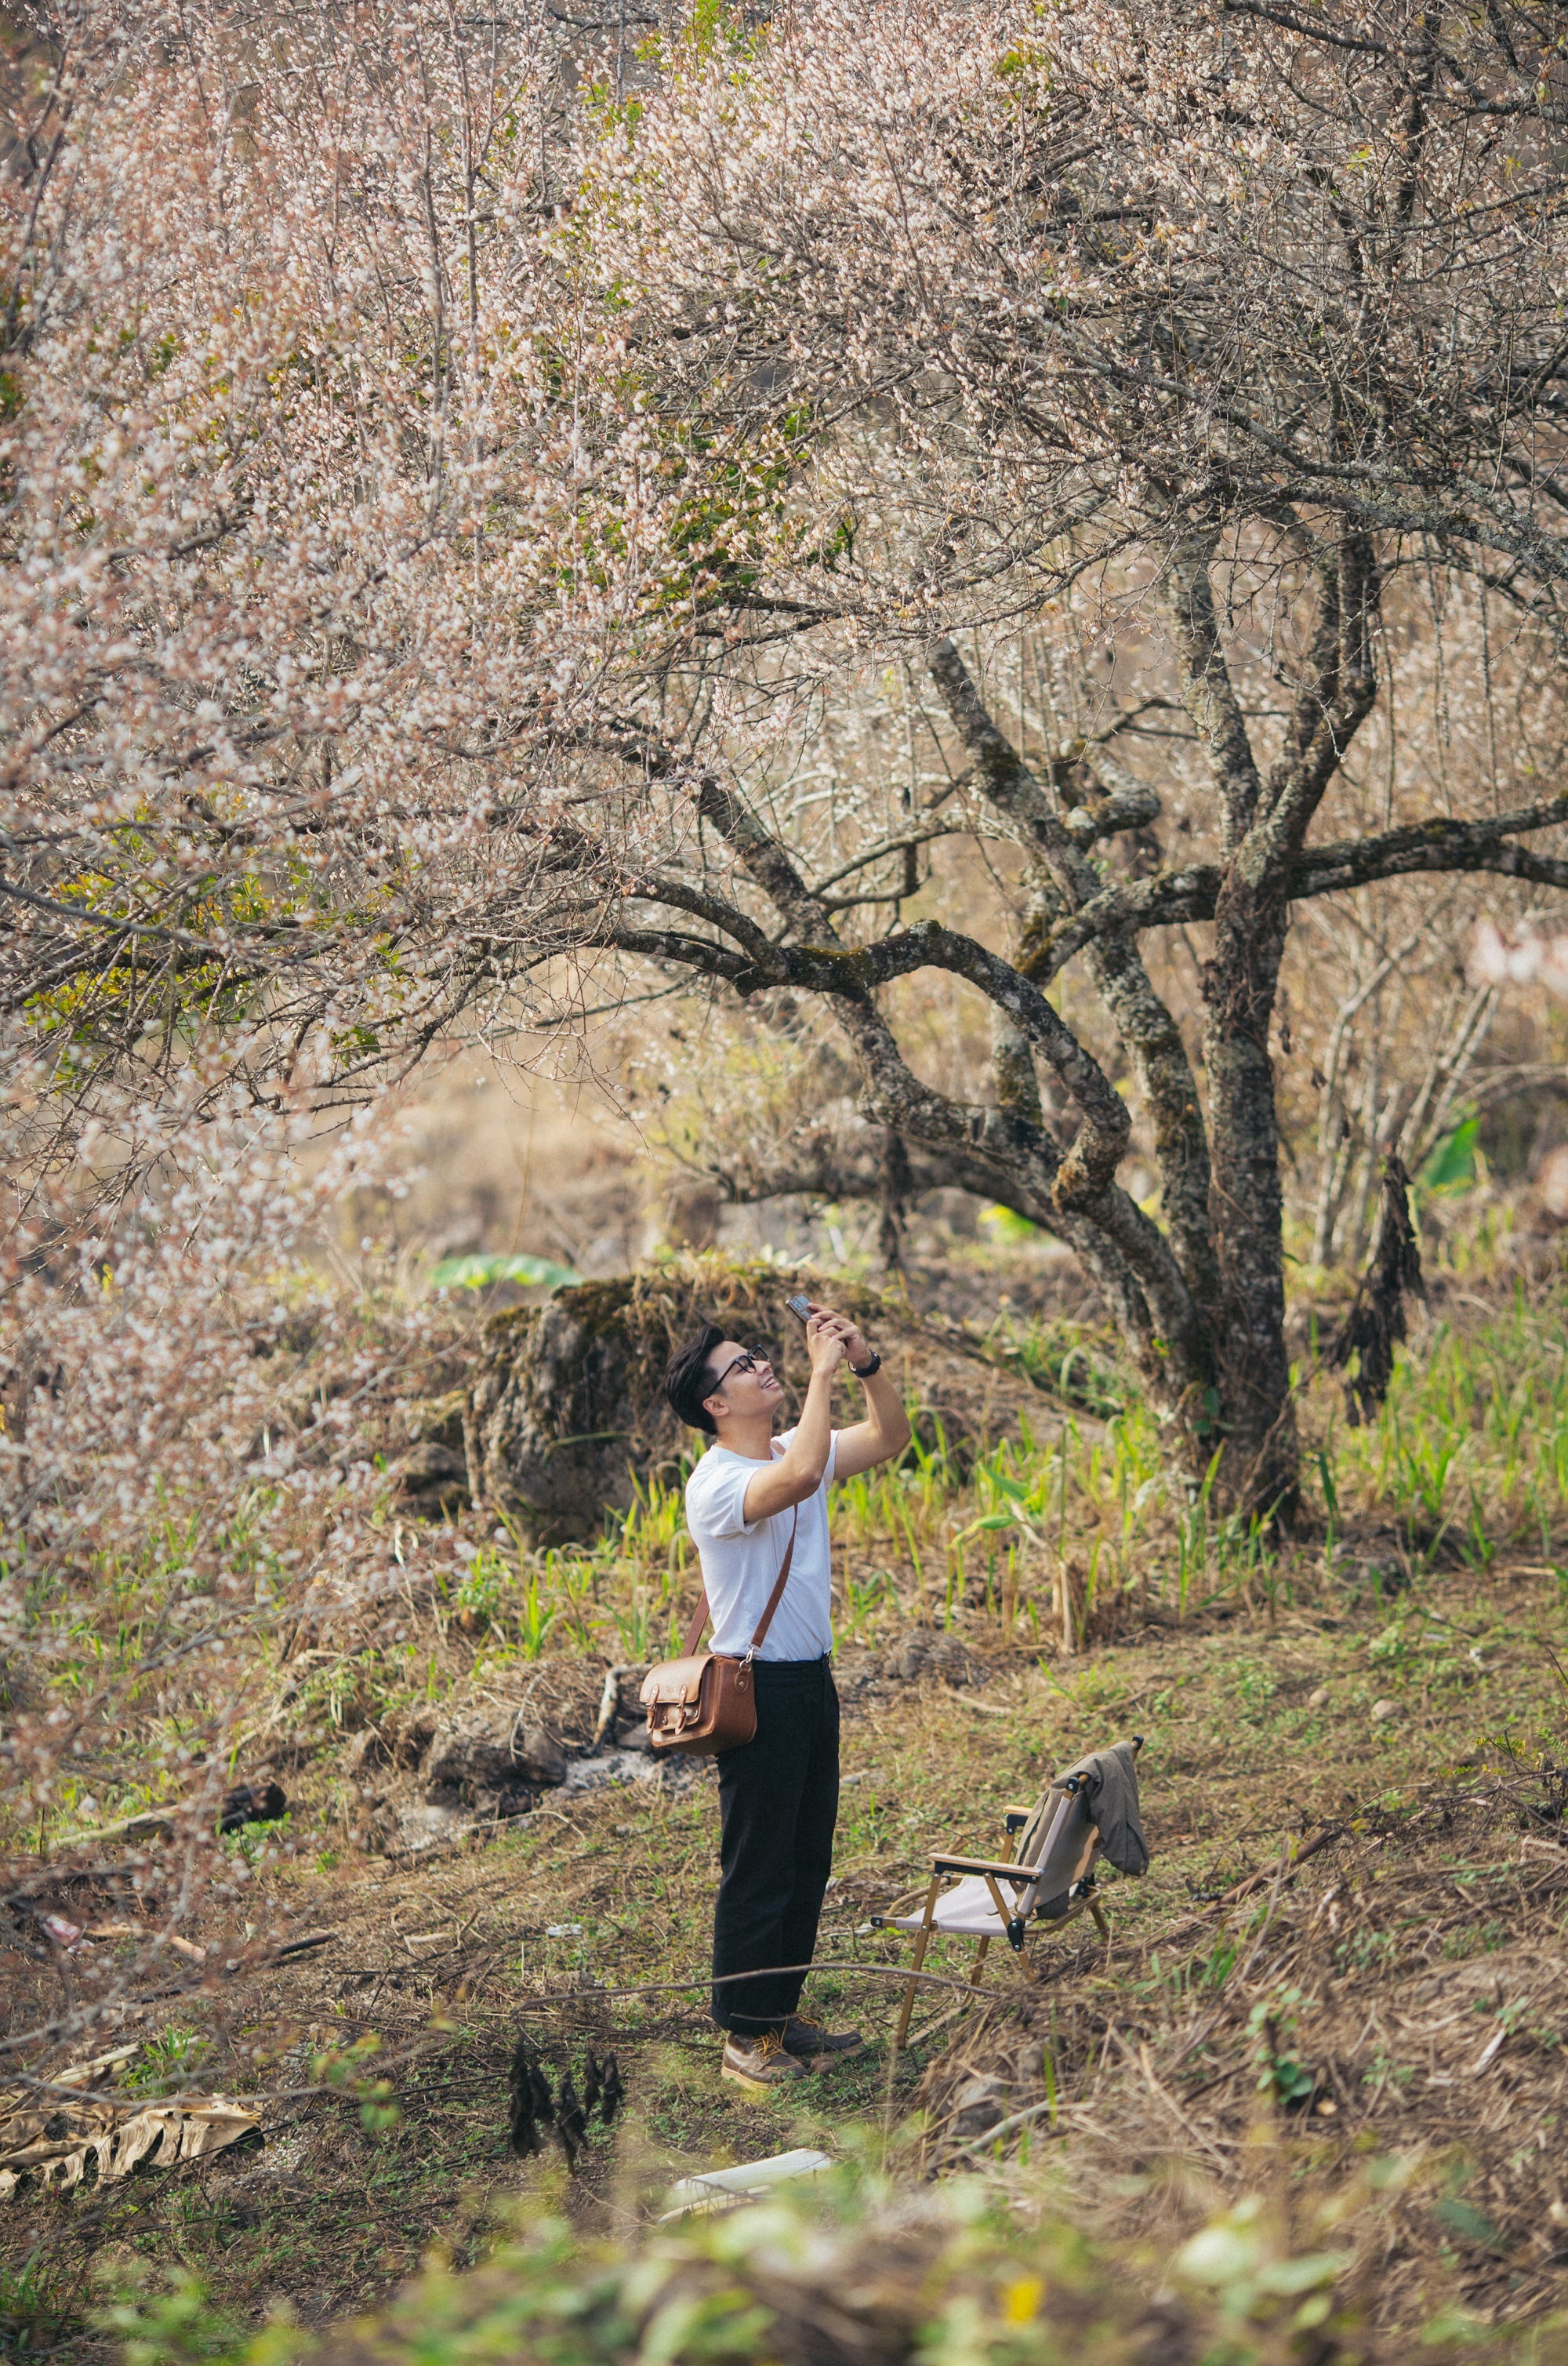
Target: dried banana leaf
[{"x": 114, "y": 2135}]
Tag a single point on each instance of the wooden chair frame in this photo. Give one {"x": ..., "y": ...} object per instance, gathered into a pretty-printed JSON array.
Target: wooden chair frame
[{"x": 995, "y": 1872}]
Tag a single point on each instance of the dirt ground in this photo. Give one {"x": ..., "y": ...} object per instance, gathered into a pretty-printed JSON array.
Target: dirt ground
[{"x": 1401, "y": 1997}]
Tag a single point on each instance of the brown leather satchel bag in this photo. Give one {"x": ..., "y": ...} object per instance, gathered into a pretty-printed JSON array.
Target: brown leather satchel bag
[{"x": 705, "y": 1701}]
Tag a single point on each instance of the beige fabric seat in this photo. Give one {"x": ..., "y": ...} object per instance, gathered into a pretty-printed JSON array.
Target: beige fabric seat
[{"x": 967, "y": 1911}]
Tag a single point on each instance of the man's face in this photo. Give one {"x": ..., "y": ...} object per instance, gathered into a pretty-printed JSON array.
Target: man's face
[{"x": 739, "y": 1390}]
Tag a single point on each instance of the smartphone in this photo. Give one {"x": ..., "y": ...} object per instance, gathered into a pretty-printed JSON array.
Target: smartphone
[{"x": 799, "y": 1308}]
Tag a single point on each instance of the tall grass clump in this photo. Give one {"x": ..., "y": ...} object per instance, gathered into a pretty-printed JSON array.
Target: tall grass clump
[{"x": 1470, "y": 1452}]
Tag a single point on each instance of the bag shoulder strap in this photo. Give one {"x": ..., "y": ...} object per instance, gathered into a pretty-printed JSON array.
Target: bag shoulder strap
[
  {"x": 699, "y": 1620},
  {"x": 700, "y": 1617},
  {"x": 779, "y": 1582}
]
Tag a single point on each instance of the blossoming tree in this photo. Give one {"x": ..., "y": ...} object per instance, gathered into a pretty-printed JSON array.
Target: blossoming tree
[
  {"x": 1236, "y": 328},
  {"x": 449, "y": 486}
]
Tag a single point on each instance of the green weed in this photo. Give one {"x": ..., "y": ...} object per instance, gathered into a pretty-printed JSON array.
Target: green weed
[
  {"x": 1272, "y": 2024},
  {"x": 37, "y": 2308},
  {"x": 169, "y": 2063}
]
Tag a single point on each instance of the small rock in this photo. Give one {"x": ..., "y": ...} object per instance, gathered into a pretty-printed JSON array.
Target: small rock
[
  {"x": 922, "y": 1653},
  {"x": 1551, "y": 1183},
  {"x": 435, "y": 1421},
  {"x": 505, "y": 1806},
  {"x": 486, "y": 1750},
  {"x": 1383, "y": 1710},
  {"x": 366, "y": 1750},
  {"x": 427, "y": 1827},
  {"x": 430, "y": 1470},
  {"x": 1319, "y": 1699},
  {"x": 979, "y": 2103},
  {"x": 252, "y": 1803},
  {"x": 408, "y": 1733}
]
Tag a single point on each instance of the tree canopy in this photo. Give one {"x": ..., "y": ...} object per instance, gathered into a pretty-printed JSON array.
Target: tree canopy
[{"x": 453, "y": 483}]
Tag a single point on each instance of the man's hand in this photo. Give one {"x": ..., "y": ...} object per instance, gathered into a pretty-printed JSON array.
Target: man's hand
[
  {"x": 824, "y": 1340},
  {"x": 856, "y": 1350}
]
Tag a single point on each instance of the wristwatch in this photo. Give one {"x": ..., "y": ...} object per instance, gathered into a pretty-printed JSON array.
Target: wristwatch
[{"x": 864, "y": 1371}]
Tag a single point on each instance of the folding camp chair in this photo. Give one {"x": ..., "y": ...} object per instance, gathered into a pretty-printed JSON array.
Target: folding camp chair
[{"x": 1050, "y": 1881}]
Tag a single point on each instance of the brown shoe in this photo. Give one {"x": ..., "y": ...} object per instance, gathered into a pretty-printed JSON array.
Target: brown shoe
[
  {"x": 760, "y": 2064},
  {"x": 817, "y": 2047}
]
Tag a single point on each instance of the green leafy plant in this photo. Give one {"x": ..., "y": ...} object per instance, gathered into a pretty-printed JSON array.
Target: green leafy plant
[
  {"x": 1238, "y": 2258},
  {"x": 347, "y": 2069},
  {"x": 1450, "y": 1167},
  {"x": 535, "y": 1619},
  {"x": 482, "y": 1272},
  {"x": 480, "y": 1588},
  {"x": 1007, "y": 1226},
  {"x": 35, "y": 2308},
  {"x": 167, "y": 2063},
  {"x": 172, "y": 2322},
  {"x": 1272, "y": 2024}
]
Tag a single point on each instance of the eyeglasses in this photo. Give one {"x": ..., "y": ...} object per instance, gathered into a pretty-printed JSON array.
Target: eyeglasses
[{"x": 747, "y": 1360}]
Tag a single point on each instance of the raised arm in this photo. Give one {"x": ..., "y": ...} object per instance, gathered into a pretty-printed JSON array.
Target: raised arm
[
  {"x": 798, "y": 1472},
  {"x": 885, "y": 1430}
]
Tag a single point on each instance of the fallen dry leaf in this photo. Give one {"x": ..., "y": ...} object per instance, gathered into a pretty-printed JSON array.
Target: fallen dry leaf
[{"x": 114, "y": 2135}]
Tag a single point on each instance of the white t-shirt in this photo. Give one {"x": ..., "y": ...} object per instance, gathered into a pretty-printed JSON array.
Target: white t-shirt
[{"x": 741, "y": 1560}]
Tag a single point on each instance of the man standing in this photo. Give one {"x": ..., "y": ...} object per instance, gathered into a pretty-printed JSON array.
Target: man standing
[{"x": 778, "y": 1793}]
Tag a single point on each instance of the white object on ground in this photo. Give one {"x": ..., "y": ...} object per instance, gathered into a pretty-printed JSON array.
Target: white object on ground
[
  {"x": 725, "y": 2188},
  {"x": 615, "y": 1767}
]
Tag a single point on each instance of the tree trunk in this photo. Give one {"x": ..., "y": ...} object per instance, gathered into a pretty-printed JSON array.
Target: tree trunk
[{"x": 1261, "y": 1469}]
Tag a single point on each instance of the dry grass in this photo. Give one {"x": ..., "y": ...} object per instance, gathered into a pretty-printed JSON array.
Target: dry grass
[
  {"x": 438, "y": 1961},
  {"x": 380, "y": 2057},
  {"x": 1405, "y": 1994}
]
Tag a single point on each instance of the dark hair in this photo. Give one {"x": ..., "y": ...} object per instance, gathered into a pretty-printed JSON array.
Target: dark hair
[{"x": 688, "y": 1379}]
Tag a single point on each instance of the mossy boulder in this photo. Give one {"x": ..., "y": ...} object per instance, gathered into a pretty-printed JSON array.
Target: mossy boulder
[{"x": 566, "y": 1406}]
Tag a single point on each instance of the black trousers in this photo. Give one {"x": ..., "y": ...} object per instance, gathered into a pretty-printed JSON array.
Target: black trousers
[{"x": 777, "y": 1805}]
